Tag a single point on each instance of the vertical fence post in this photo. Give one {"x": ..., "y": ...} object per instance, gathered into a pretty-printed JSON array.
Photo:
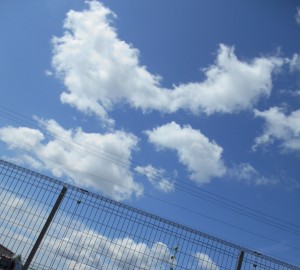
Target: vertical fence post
[
  {"x": 45, "y": 228},
  {"x": 240, "y": 260}
]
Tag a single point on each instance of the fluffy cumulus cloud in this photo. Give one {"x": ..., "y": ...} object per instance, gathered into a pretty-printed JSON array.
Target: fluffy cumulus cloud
[
  {"x": 110, "y": 253},
  {"x": 279, "y": 127},
  {"x": 156, "y": 178},
  {"x": 85, "y": 158},
  {"x": 205, "y": 262},
  {"x": 78, "y": 247},
  {"x": 100, "y": 70},
  {"x": 203, "y": 158}
]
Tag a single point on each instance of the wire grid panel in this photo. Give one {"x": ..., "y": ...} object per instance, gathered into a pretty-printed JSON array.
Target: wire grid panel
[{"x": 93, "y": 232}]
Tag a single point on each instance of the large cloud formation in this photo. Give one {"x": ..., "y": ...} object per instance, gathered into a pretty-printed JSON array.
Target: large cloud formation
[
  {"x": 85, "y": 158},
  {"x": 99, "y": 70},
  {"x": 202, "y": 157}
]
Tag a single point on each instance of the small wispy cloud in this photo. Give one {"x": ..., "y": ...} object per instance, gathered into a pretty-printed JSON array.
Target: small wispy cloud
[
  {"x": 246, "y": 173},
  {"x": 48, "y": 73},
  {"x": 156, "y": 178},
  {"x": 297, "y": 16}
]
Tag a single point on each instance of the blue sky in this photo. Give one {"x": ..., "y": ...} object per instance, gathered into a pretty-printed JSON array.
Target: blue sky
[{"x": 157, "y": 103}]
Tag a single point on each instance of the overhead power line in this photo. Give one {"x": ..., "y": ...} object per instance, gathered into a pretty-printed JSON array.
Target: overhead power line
[{"x": 180, "y": 185}]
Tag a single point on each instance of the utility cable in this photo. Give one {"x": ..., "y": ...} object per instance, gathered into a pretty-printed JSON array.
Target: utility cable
[{"x": 193, "y": 190}]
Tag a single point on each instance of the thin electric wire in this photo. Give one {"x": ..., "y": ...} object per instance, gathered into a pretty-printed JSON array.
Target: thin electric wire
[
  {"x": 112, "y": 157},
  {"x": 132, "y": 163},
  {"x": 190, "y": 210},
  {"x": 182, "y": 188},
  {"x": 243, "y": 213}
]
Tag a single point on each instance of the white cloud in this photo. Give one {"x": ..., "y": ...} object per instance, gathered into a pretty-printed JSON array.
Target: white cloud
[
  {"x": 281, "y": 127},
  {"x": 85, "y": 158},
  {"x": 23, "y": 219},
  {"x": 79, "y": 248},
  {"x": 72, "y": 245},
  {"x": 294, "y": 62},
  {"x": 99, "y": 70},
  {"x": 230, "y": 86},
  {"x": 292, "y": 93},
  {"x": 48, "y": 73},
  {"x": 25, "y": 159},
  {"x": 298, "y": 15},
  {"x": 156, "y": 178},
  {"x": 245, "y": 172},
  {"x": 201, "y": 157},
  {"x": 108, "y": 253},
  {"x": 297, "y": 93},
  {"x": 205, "y": 262},
  {"x": 21, "y": 138}
]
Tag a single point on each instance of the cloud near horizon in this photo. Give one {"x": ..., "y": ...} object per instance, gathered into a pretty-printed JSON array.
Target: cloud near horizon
[
  {"x": 80, "y": 246},
  {"x": 96, "y": 166},
  {"x": 205, "y": 262},
  {"x": 99, "y": 71},
  {"x": 201, "y": 157}
]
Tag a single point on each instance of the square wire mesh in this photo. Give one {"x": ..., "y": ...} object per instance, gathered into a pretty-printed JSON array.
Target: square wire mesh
[{"x": 93, "y": 232}]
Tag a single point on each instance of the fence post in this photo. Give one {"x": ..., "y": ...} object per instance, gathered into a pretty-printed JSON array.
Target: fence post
[
  {"x": 45, "y": 228},
  {"x": 240, "y": 260}
]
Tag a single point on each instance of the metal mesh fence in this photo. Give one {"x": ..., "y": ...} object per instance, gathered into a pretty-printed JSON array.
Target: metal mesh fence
[{"x": 89, "y": 232}]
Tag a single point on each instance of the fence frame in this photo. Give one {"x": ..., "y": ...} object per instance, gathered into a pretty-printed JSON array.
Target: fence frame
[{"x": 245, "y": 254}]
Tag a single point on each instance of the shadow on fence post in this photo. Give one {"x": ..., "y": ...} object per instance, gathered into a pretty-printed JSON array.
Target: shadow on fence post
[
  {"x": 240, "y": 260},
  {"x": 45, "y": 228}
]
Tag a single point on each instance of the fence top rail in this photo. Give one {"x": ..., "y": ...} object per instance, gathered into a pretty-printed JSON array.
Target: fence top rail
[{"x": 4, "y": 163}]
